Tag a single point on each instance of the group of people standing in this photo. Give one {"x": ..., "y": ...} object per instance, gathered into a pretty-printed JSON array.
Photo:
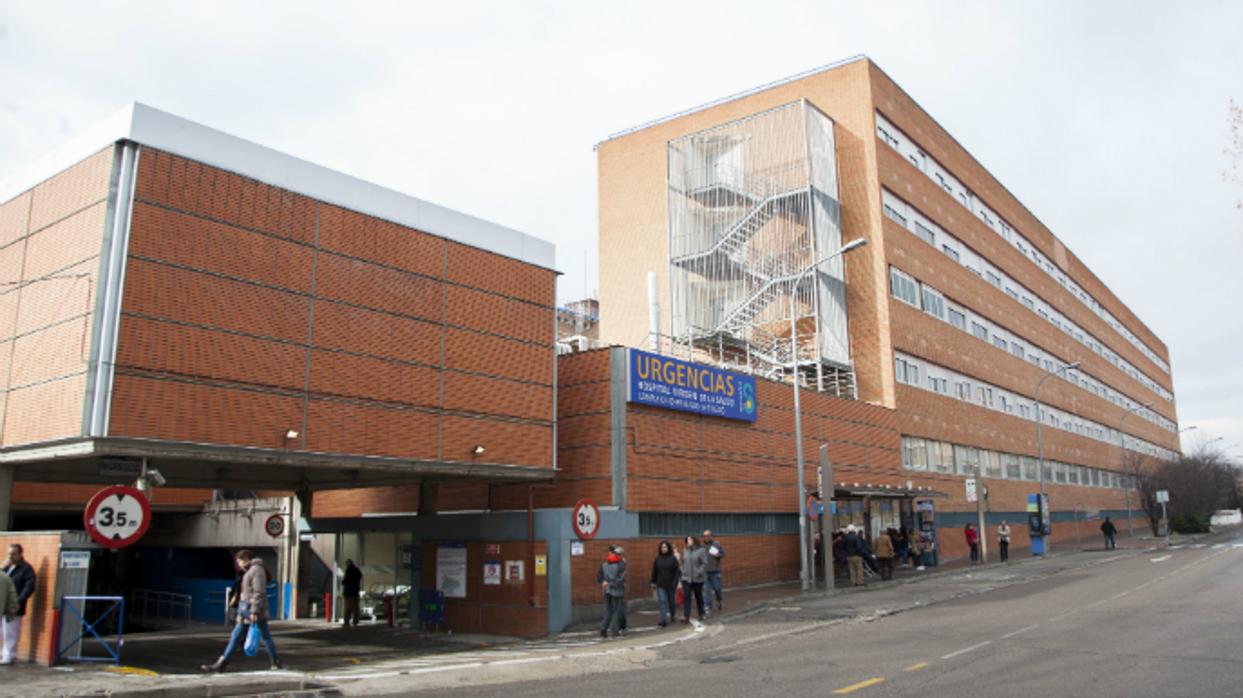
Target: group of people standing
[
  {"x": 678, "y": 576},
  {"x": 972, "y": 535},
  {"x": 893, "y": 547}
]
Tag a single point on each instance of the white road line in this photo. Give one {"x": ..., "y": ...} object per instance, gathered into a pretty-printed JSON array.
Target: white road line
[
  {"x": 1143, "y": 586},
  {"x": 1064, "y": 615},
  {"x": 1020, "y": 631},
  {"x": 1120, "y": 594},
  {"x": 965, "y": 650},
  {"x": 1094, "y": 604},
  {"x": 1218, "y": 545},
  {"x": 1236, "y": 546},
  {"x": 1163, "y": 558}
]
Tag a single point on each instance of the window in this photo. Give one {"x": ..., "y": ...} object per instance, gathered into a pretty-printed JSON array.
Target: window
[
  {"x": 990, "y": 462},
  {"x": 980, "y": 331},
  {"x": 966, "y": 459},
  {"x": 1017, "y": 349},
  {"x": 1025, "y": 410},
  {"x": 1010, "y": 463},
  {"x": 958, "y": 319},
  {"x": 999, "y": 343},
  {"x": 939, "y": 385},
  {"x": 1059, "y": 473},
  {"x": 1048, "y": 471},
  {"x": 895, "y": 216},
  {"x": 904, "y": 287},
  {"x": 1029, "y": 303},
  {"x": 925, "y": 233},
  {"x": 941, "y": 457},
  {"x": 1012, "y": 293},
  {"x": 1072, "y": 474},
  {"x": 934, "y": 303},
  {"x": 914, "y": 453},
  {"x": 951, "y": 252},
  {"x": 993, "y": 279},
  {"x": 984, "y": 396},
  {"x": 963, "y": 389},
  {"x": 1031, "y": 468},
  {"x": 1004, "y": 404}
]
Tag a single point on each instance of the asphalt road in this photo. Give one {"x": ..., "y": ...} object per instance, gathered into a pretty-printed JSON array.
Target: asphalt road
[{"x": 1136, "y": 624}]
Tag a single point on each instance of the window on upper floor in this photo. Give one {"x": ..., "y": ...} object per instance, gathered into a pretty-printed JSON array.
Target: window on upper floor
[
  {"x": 892, "y": 213},
  {"x": 980, "y": 331},
  {"x": 904, "y": 287},
  {"x": 1017, "y": 349},
  {"x": 925, "y": 233},
  {"x": 999, "y": 343},
  {"x": 993, "y": 278},
  {"x": 950, "y": 252},
  {"x": 914, "y": 453},
  {"x": 934, "y": 303},
  {"x": 963, "y": 388},
  {"x": 938, "y": 385}
]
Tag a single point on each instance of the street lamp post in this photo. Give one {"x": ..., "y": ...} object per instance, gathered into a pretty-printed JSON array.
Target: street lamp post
[
  {"x": 1040, "y": 443},
  {"x": 804, "y": 566},
  {"x": 1130, "y": 526}
]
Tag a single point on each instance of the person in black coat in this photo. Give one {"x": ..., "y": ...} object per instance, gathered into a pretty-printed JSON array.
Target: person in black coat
[
  {"x": 351, "y": 590},
  {"x": 666, "y": 573},
  {"x": 23, "y": 577}
]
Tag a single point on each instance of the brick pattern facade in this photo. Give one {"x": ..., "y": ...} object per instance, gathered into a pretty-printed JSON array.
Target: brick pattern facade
[
  {"x": 51, "y": 238},
  {"x": 249, "y": 311}
]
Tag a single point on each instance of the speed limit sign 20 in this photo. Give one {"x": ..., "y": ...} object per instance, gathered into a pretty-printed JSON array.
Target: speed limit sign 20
[
  {"x": 586, "y": 519},
  {"x": 117, "y": 516}
]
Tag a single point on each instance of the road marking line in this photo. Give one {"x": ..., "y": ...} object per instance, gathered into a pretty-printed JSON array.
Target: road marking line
[
  {"x": 1064, "y": 615},
  {"x": 965, "y": 650},
  {"x": 916, "y": 667},
  {"x": 1163, "y": 558},
  {"x": 1020, "y": 631},
  {"x": 856, "y": 686},
  {"x": 1218, "y": 545},
  {"x": 130, "y": 670},
  {"x": 1094, "y": 604},
  {"x": 1120, "y": 594},
  {"x": 1142, "y": 586}
]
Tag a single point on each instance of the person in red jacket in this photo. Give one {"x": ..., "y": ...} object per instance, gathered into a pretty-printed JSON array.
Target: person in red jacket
[{"x": 973, "y": 541}]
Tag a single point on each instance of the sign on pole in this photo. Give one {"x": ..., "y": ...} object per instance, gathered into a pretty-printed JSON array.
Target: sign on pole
[
  {"x": 1163, "y": 496},
  {"x": 117, "y": 516},
  {"x": 586, "y": 519},
  {"x": 972, "y": 496},
  {"x": 275, "y": 525}
]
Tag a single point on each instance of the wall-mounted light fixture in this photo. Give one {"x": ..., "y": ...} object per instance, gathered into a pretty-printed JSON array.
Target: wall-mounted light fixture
[
  {"x": 477, "y": 450},
  {"x": 291, "y": 434}
]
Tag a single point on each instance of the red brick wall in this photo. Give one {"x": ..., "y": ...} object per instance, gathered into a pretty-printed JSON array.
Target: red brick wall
[
  {"x": 42, "y": 551},
  {"x": 504, "y": 609},
  {"x": 250, "y": 310},
  {"x": 50, "y": 241}
]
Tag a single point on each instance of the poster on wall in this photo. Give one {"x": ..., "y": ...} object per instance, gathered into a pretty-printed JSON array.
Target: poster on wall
[
  {"x": 492, "y": 572},
  {"x": 451, "y": 570}
]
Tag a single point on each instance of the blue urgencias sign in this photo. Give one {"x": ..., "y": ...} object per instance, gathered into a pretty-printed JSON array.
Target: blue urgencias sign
[{"x": 660, "y": 381}]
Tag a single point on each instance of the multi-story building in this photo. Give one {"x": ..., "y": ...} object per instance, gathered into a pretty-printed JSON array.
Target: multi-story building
[{"x": 960, "y": 312}]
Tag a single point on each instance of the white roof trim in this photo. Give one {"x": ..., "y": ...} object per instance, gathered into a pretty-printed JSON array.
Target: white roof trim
[{"x": 161, "y": 130}]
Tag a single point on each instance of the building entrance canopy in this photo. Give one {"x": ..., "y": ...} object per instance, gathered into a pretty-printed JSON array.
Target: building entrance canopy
[{"x": 192, "y": 465}]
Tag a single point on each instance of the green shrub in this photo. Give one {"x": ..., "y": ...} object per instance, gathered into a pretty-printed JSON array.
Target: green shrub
[{"x": 1189, "y": 523}]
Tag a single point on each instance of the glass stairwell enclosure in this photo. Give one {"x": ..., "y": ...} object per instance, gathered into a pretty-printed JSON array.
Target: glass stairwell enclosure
[{"x": 753, "y": 203}]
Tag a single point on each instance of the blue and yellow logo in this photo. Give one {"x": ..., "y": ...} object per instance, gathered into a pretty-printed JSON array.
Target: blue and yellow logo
[{"x": 748, "y": 398}]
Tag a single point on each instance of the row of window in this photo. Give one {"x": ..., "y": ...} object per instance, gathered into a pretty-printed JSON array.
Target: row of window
[
  {"x": 913, "y": 221},
  {"x": 899, "y": 141},
  {"x": 922, "y": 296},
  {"x": 938, "y": 379},
  {"x": 926, "y": 455}
]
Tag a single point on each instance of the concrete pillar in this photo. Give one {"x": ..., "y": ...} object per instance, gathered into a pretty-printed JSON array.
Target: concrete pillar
[{"x": 6, "y": 497}]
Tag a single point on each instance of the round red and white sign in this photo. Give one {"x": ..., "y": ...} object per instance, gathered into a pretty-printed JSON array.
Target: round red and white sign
[
  {"x": 586, "y": 519},
  {"x": 117, "y": 516},
  {"x": 275, "y": 525}
]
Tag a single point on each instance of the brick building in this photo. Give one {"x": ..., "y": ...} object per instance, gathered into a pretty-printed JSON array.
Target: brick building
[{"x": 959, "y": 306}]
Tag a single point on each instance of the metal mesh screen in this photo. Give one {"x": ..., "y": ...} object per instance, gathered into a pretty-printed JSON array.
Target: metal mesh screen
[{"x": 752, "y": 204}]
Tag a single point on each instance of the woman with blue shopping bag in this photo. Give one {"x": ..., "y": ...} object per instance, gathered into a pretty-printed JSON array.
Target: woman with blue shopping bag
[{"x": 252, "y": 614}]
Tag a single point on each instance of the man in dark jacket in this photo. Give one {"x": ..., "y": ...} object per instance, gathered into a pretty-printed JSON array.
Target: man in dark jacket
[
  {"x": 23, "y": 578},
  {"x": 612, "y": 579},
  {"x": 712, "y": 571},
  {"x": 351, "y": 590},
  {"x": 855, "y": 549},
  {"x": 666, "y": 572},
  {"x": 1110, "y": 531}
]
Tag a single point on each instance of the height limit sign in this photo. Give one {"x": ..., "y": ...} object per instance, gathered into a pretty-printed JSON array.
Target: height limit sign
[{"x": 117, "y": 516}]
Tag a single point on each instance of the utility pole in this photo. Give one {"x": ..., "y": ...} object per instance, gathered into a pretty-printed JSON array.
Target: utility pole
[{"x": 979, "y": 512}]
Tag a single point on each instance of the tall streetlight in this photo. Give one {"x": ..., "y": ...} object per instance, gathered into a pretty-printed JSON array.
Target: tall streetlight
[
  {"x": 1130, "y": 526},
  {"x": 804, "y": 567},
  {"x": 1040, "y": 444}
]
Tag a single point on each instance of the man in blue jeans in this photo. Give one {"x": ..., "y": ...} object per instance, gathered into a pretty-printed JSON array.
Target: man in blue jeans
[
  {"x": 713, "y": 571},
  {"x": 252, "y": 608}
]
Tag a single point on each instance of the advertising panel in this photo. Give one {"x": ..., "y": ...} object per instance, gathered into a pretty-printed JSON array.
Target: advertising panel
[{"x": 660, "y": 381}]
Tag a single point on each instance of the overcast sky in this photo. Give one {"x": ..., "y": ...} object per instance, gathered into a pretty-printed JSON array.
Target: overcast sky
[{"x": 1109, "y": 120}]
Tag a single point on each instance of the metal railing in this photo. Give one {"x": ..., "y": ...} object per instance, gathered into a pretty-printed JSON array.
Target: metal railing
[{"x": 148, "y": 608}]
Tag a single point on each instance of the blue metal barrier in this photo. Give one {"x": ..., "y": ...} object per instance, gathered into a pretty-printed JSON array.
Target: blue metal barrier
[{"x": 114, "y": 603}]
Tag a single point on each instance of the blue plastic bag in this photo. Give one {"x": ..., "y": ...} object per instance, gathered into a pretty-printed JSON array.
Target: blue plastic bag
[{"x": 251, "y": 647}]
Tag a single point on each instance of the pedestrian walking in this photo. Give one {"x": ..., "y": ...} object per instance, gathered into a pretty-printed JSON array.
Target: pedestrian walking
[
  {"x": 712, "y": 571},
  {"x": 1003, "y": 540},
  {"x": 351, "y": 591},
  {"x": 1110, "y": 530},
  {"x": 917, "y": 549},
  {"x": 854, "y": 555},
  {"x": 694, "y": 572},
  {"x": 22, "y": 575},
  {"x": 973, "y": 542},
  {"x": 621, "y": 625},
  {"x": 885, "y": 552},
  {"x": 666, "y": 573},
  {"x": 612, "y": 580},
  {"x": 252, "y": 609},
  {"x": 903, "y": 541}
]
